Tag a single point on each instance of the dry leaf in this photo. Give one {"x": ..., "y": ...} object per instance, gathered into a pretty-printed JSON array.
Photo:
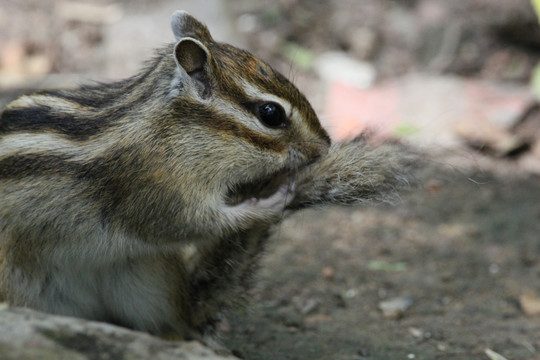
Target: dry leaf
[
  {"x": 530, "y": 303},
  {"x": 493, "y": 355}
]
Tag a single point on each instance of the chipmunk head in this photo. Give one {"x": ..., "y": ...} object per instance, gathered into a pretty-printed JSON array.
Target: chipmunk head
[
  {"x": 253, "y": 124},
  {"x": 203, "y": 127}
]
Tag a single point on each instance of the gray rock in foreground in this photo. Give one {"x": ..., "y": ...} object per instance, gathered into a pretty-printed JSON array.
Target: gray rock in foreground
[{"x": 27, "y": 334}]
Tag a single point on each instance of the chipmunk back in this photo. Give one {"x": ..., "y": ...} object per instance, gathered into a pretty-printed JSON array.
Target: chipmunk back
[{"x": 146, "y": 202}]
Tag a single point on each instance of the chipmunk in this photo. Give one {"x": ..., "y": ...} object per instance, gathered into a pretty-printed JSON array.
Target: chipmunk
[{"x": 147, "y": 202}]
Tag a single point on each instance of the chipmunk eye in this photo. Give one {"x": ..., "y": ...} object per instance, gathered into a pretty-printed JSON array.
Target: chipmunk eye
[{"x": 271, "y": 115}]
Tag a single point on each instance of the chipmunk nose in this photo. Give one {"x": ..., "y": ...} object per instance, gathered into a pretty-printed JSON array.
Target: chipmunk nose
[
  {"x": 322, "y": 142},
  {"x": 312, "y": 150},
  {"x": 321, "y": 147}
]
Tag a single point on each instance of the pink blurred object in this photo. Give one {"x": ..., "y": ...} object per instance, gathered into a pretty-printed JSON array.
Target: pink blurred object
[
  {"x": 425, "y": 107},
  {"x": 351, "y": 111}
]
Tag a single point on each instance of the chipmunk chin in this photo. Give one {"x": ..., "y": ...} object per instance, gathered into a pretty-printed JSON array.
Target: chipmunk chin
[{"x": 259, "y": 189}]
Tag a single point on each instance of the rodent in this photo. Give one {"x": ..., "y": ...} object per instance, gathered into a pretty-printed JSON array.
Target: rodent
[{"x": 146, "y": 202}]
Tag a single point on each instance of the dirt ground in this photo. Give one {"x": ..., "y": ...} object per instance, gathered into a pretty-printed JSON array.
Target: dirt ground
[
  {"x": 461, "y": 252},
  {"x": 457, "y": 259}
]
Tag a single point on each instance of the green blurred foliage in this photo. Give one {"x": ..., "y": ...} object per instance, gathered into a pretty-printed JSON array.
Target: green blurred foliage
[
  {"x": 536, "y": 6},
  {"x": 300, "y": 56},
  {"x": 381, "y": 265},
  {"x": 405, "y": 129}
]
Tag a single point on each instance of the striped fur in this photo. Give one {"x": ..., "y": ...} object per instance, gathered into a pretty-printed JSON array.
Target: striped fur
[{"x": 113, "y": 197}]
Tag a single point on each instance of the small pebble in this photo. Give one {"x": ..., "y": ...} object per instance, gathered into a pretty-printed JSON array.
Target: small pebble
[
  {"x": 416, "y": 332},
  {"x": 494, "y": 269},
  {"x": 327, "y": 273},
  {"x": 349, "y": 294},
  {"x": 395, "y": 308},
  {"x": 442, "y": 347}
]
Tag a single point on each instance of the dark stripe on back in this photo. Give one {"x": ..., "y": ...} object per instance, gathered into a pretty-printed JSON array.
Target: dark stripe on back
[
  {"x": 19, "y": 166},
  {"x": 42, "y": 118},
  {"x": 94, "y": 97},
  {"x": 111, "y": 181}
]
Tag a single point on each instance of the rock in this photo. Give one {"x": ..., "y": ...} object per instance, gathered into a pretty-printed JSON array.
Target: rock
[
  {"x": 395, "y": 308},
  {"x": 416, "y": 332},
  {"x": 27, "y": 334}
]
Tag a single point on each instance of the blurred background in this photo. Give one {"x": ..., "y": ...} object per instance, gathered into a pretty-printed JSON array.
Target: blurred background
[
  {"x": 451, "y": 272},
  {"x": 443, "y": 74}
]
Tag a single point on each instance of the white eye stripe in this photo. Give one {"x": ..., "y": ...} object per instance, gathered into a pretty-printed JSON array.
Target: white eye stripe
[
  {"x": 247, "y": 118},
  {"x": 240, "y": 114},
  {"x": 293, "y": 113},
  {"x": 255, "y": 94}
]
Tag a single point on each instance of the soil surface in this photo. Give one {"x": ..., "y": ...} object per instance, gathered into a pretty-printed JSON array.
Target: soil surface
[
  {"x": 452, "y": 271},
  {"x": 459, "y": 252}
]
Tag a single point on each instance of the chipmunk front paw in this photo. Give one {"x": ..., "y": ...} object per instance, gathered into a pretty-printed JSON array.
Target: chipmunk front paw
[{"x": 275, "y": 204}]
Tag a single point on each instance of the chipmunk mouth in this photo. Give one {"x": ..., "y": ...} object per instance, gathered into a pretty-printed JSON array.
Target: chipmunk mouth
[{"x": 259, "y": 189}]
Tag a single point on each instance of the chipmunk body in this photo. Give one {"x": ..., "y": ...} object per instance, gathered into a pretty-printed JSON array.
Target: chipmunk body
[{"x": 146, "y": 202}]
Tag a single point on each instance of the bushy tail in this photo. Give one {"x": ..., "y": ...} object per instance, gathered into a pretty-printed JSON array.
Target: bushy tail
[{"x": 356, "y": 172}]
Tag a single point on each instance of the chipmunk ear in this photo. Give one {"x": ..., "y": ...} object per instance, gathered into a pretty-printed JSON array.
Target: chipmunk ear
[
  {"x": 191, "y": 53},
  {"x": 184, "y": 25},
  {"x": 192, "y": 56}
]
